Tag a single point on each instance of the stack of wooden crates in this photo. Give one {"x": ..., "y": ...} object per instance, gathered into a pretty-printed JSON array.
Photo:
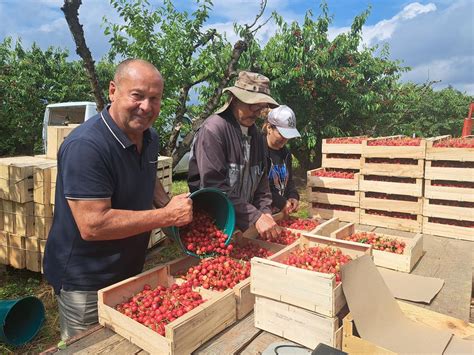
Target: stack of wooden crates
[{"x": 27, "y": 193}]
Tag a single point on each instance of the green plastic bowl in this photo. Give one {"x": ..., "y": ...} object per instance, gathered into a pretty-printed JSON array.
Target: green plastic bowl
[
  {"x": 20, "y": 320},
  {"x": 218, "y": 206}
]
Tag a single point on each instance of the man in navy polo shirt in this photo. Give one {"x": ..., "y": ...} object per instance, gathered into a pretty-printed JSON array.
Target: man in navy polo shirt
[{"x": 105, "y": 193}]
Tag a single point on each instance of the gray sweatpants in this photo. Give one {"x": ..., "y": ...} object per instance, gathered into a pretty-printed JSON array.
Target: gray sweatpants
[{"x": 77, "y": 311}]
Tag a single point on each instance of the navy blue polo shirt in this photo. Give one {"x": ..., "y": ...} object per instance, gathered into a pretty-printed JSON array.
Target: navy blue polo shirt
[{"x": 98, "y": 161}]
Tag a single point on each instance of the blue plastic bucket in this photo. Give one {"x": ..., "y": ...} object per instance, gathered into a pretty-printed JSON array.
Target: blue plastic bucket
[
  {"x": 218, "y": 206},
  {"x": 20, "y": 320}
]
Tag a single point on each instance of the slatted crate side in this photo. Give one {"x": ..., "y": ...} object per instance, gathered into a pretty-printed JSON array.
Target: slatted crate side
[
  {"x": 24, "y": 219},
  {"x": 341, "y": 162},
  {"x": 332, "y": 183},
  {"x": 314, "y": 291},
  {"x": 334, "y": 197},
  {"x": 42, "y": 183},
  {"x": 464, "y": 173},
  {"x": 390, "y": 203},
  {"x": 17, "y": 251},
  {"x": 184, "y": 334},
  {"x": 54, "y": 173},
  {"x": 447, "y": 153},
  {"x": 42, "y": 247},
  {"x": 156, "y": 237},
  {"x": 463, "y": 194},
  {"x": 462, "y": 213},
  {"x": 297, "y": 324},
  {"x": 389, "y": 187},
  {"x": 400, "y": 262},
  {"x": 404, "y": 224},
  {"x": 447, "y": 230},
  {"x": 368, "y": 167},
  {"x": 393, "y": 152},
  {"x": 4, "y": 248},
  {"x": 33, "y": 254},
  {"x": 340, "y": 148},
  {"x": 43, "y": 220},
  {"x": 327, "y": 211}
]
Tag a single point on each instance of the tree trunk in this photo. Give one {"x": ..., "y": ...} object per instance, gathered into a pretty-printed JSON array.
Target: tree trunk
[{"x": 70, "y": 10}]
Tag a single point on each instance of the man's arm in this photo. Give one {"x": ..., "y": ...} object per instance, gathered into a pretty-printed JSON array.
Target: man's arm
[{"x": 97, "y": 220}]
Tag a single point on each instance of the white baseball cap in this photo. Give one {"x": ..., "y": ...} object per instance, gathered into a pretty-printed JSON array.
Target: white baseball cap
[{"x": 284, "y": 119}]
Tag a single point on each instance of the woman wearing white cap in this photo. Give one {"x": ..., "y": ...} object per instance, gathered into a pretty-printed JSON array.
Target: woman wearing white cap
[{"x": 279, "y": 127}]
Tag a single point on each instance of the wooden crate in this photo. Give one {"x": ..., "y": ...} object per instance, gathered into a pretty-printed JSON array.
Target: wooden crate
[
  {"x": 184, "y": 334},
  {"x": 17, "y": 252},
  {"x": 392, "y": 168},
  {"x": 401, "y": 262},
  {"x": 42, "y": 183},
  {"x": 327, "y": 211},
  {"x": 18, "y": 218},
  {"x": 54, "y": 173},
  {"x": 404, "y": 224},
  {"x": 165, "y": 171},
  {"x": 156, "y": 237},
  {"x": 244, "y": 299},
  {"x": 341, "y": 148},
  {"x": 341, "y": 161},
  {"x": 390, "y": 187},
  {"x": 56, "y": 136},
  {"x": 445, "y": 153},
  {"x": 297, "y": 324},
  {"x": 431, "y": 209},
  {"x": 332, "y": 183},
  {"x": 4, "y": 249},
  {"x": 393, "y": 152},
  {"x": 43, "y": 220},
  {"x": 390, "y": 203},
  {"x": 447, "y": 230},
  {"x": 334, "y": 197},
  {"x": 33, "y": 254},
  {"x": 8, "y": 214},
  {"x": 464, "y": 194},
  {"x": 465, "y": 171},
  {"x": 42, "y": 247},
  {"x": 353, "y": 344},
  {"x": 314, "y": 291}
]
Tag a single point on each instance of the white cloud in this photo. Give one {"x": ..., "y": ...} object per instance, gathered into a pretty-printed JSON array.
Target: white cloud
[{"x": 57, "y": 24}]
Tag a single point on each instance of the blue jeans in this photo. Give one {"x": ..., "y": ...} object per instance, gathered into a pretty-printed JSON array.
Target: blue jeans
[{"x": 77, "y": 311}]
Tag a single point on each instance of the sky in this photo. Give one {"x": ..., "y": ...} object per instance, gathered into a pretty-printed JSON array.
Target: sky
[{"x": 435, "y": 38}]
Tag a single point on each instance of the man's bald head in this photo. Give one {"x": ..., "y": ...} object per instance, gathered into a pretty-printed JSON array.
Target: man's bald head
[{"x": 129, "y": 67}]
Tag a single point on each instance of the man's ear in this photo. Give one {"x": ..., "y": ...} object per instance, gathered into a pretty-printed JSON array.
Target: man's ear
[{"x": 112, "y": 89}]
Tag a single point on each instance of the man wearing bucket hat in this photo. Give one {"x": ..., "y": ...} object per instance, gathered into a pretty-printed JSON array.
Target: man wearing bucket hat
[
  {"x": 105, "y": 193},
  {"x": 228, "y": 153},
  {"x": 279, "y": 127}
]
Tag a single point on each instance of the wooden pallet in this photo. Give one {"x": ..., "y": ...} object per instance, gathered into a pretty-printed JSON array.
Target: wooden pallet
[
  {"x": 368, "y": 167},
  {"x": 444, "y": 153},
  {"x": 332, "y": 183},
  {"x": 463, "y": 194},
  {"x": 393, "y": 152},
  {"x": 184, "y": 334},
  {"x": 297, "y": 324},
  {"x": 450, "y": 212},
  {"x": 330, "y": 211},
  {"x": 401, "y": 262},
  {"x": 314, "y": 291},
  {"x": 353, "y": 344},
  {"x": 389, "y": 187},
  {"x": 390, "y": 203},
  {"x": 342, "y": 162},
  {"x": 334, "y": 197},
  {"x": 403, "y": 224},
  {"x": 449, "y": 173},
  {"x": 447, "y": 230}
]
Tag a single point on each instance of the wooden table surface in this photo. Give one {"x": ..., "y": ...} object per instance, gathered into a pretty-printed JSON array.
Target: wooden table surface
[{"x": 449, "y": 259}]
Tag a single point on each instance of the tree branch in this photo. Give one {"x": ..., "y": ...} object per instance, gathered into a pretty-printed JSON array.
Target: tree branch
[{"x": 70, "y": 10}]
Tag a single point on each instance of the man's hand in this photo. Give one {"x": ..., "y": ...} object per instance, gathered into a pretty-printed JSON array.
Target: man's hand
[
  {"x": 266, "y": 226},
  {"x": 180, "y": 210},
  {"x": 291, "y": 206}
]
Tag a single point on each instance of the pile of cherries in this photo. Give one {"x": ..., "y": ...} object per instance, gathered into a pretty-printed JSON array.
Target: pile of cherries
[
  {"x": 345, "y": 140},
  {"x": 306, "y": 224},
  {"x": 203, "y": 237},
  {"x": 391, "y": 214},
  {"x": 378, "y": 242},
  {"x": 455, "y": 143},
  {"x": 321, "y": 259},
  {"x": 334, "y": 173},
  {"x": 248, "y": 251},
  {"x": 399, "y": 141},
  {"x": 154, "y": 308},
  {"x": 285, "y": 237}
]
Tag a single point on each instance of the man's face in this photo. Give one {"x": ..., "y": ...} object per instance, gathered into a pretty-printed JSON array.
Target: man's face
[
  {"x": 136, "y": 99},
  {"x": 246, "y": 114}
]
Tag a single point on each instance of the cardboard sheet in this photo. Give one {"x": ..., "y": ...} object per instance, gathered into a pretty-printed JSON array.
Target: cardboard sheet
[
  {"x": 458, "y": 346},
  {"x": 411, "y": 287},
  {"x": 378, "y": 317}
]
